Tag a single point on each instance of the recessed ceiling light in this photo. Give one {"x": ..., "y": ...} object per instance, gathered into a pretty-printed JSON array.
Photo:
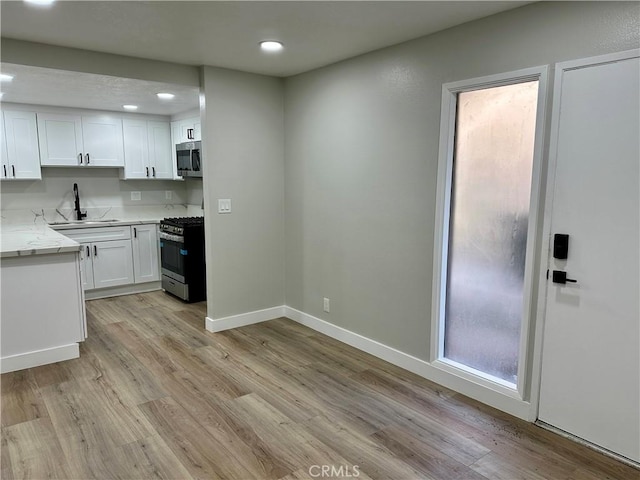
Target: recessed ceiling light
[
  {"x": 42, "y": 3},
  {"x": 271, "y": 46},
  {"x": 165, "y": 96},
  {"x": 130, "y": 107},
  {"x": 5, "y": 78}
]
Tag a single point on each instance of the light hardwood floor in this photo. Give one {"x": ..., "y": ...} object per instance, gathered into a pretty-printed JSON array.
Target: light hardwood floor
[{"x": 155, "y": 396}]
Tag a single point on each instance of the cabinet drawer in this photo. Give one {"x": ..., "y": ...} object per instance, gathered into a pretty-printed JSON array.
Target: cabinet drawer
[{"x": 98, "y": 234}]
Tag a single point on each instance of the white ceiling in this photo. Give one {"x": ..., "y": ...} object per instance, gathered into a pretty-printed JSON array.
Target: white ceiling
[
  {"x": 223, "y": 34},
  {"x": 226, "y": 34}
]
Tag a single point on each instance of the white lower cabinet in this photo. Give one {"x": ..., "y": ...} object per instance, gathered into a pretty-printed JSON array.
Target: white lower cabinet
[
  {"x": 86, "y": 266},
  {"x": 112, "y": 263},
  {"x": 144, "y": 240},
  {"x": 117, "y": 256}
]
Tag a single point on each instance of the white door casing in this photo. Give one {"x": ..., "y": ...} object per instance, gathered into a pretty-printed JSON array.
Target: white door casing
[{"x": 590, "y": 374}]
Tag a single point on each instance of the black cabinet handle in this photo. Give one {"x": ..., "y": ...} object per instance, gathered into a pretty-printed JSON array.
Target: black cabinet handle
[
  {"x": 80, "y": 158},
  {"x": 135, "y": 232},
  {"x": 190, "y": 133},
  {"x": 13, "y": 170},
  {"x": 95, "y": 251},
  {"x": 147, "y": 171},
  {"x": 5, "y": 170},
  {"x": 88, "y": 252},
  {"x": 88, "y": 159},
  {"x": 154, "y": 171}
]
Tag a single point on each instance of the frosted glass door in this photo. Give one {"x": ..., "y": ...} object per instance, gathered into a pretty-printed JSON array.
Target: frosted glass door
[{"x": 490, "y": 195}]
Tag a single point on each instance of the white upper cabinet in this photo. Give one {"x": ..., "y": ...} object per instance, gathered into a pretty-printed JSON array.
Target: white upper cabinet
[
  {"x": 103, "y": 143},
  {"x": 68, "y": 140},
  {"x": 20, "y": 155},
  {"x": 60, "y": 137},
  {"x": 160, "y": 149},
  {"x": 188, "y": 130},
  {"x": 147, "y": 149},
  {"x": 136, "y": 149}
]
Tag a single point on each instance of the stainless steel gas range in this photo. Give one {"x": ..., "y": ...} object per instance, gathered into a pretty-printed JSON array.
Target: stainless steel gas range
[{"x": 183, "y": 259}]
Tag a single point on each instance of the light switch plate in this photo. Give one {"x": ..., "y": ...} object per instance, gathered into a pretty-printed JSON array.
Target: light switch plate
[
  {"x": 136, "y": 196},
  {"x": 224, "y": 205}
]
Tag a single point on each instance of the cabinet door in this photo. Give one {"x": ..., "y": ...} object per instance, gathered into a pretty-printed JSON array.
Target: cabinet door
[
  {"x": 175, "y": 139},
  {"x": 160, "y": 149},
  {"x": 145, "y": 253},
  {"x": 112, "y": 263},
  {"x": 86, "y": 266},
  {"x": 186, "y": 131},
  {"x": 136, "y": 149},
  {"x": 60, "y": 138},
  {"x": 23, "y": 157},
  {"x": 3, "y": 150},
  {"x": 103, "y": 143},
  {"x": 197, "y": 135}
]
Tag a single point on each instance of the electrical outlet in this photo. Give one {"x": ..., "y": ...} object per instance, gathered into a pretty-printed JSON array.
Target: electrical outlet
[
  {"x": 327, "y": 305},
  {"x": 168, "y": 195},
  {"x": 136, "y": 196},
  {"x": 224, "y": 205}
]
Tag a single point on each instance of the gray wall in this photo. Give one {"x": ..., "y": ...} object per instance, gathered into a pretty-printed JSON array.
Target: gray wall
[
  {"x": 243, "y": 142},
  {"x": 361, "y": 153},
  {"x": 77, "y": 60}
]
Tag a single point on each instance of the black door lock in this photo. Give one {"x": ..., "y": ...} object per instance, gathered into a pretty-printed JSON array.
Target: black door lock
[
  {"x": 561, "y": 246},
  {"x": 559, "y": 276}
]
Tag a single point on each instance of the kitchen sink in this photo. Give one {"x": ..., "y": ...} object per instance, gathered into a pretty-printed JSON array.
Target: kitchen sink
[{"x": 83, "y": 222}]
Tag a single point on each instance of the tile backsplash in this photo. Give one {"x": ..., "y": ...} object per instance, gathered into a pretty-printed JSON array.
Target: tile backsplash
[{"x": 98, "y": 188}]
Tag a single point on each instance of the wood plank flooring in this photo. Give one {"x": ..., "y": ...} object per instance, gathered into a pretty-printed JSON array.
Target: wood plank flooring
[{"x": 153, "y": 395}]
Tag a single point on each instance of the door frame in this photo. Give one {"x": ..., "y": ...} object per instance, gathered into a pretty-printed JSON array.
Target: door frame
[
  {"x": 491, "y": 391},
  {"x": 545, "y": 254}
]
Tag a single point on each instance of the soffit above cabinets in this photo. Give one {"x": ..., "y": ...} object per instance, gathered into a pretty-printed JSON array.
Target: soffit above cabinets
[
  {"x": 226, "y": 34},
  {"x": 45, "y": 86}
]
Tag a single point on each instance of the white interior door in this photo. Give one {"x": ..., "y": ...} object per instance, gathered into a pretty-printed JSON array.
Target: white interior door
[{"x": 590, "y": 384}]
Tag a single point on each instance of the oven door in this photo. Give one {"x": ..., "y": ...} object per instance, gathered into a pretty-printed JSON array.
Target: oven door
[{"x": 172, "y": 253}]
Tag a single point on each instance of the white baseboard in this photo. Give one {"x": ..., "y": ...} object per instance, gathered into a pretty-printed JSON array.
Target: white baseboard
[
  {"x": 508, "y": 404},
  {"x": 39, "y": 357},
  {"x": 243, "y": 319}
]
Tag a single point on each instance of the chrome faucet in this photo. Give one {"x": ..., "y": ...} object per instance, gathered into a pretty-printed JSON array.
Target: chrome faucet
[{"x": 79, "y": 214}]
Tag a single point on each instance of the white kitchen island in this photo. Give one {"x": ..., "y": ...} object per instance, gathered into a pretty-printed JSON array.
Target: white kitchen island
[{"x": 42, "y": 301}]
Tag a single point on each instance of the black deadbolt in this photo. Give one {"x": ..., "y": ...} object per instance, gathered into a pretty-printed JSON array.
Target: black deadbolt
[{"x": 561, "y": 246}]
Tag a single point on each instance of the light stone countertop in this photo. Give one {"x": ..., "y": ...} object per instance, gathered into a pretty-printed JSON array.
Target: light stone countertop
[
  {"x": 22, "y": 240},
  {"x": 34, "y": 232}
]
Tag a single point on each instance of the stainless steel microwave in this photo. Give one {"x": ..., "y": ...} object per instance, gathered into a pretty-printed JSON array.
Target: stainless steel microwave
[{"x": 189, "y": 159}]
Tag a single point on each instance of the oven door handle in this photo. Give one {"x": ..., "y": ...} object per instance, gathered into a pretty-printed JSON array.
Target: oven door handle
[{"x": 171, "y": 238}]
